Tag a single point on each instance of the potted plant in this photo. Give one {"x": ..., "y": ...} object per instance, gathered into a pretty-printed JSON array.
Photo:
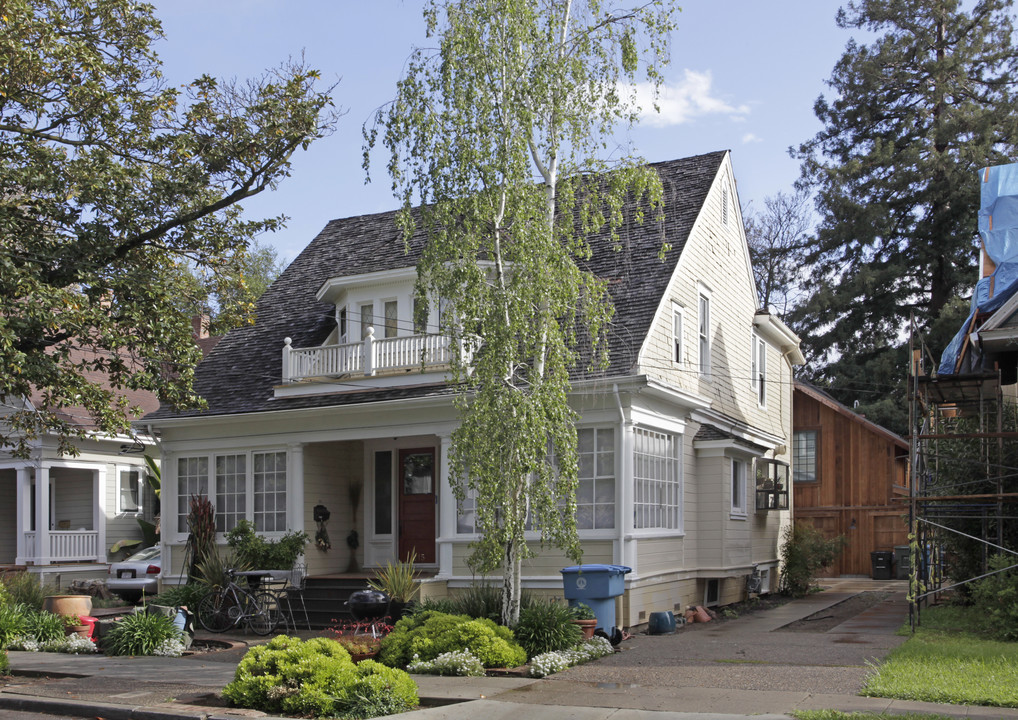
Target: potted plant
[
  {"x": 585, "y": 618},
  {"x": 360, "y": 647},
  {"x": 399, "y": 582},
  {"x": 73, "y": 624}
]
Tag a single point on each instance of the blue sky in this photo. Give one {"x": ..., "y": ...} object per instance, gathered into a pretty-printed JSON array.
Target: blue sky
[{"x": 744, "y": 76}]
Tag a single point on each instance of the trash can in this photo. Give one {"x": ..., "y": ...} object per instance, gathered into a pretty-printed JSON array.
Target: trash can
[
  {"x": 596, "y": 586},
  {"x": 902, "y": 561},
  {"x": 881, "y": 561}
]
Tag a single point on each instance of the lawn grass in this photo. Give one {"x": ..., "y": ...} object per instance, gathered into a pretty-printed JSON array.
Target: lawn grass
[
  {"x": 837, "y": 715},
  {"x": 949, "y": 660}
]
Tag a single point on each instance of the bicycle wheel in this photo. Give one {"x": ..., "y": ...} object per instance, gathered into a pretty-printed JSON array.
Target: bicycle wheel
[
  {"x": 214, "y": 612},
  {"x": 270, "y": 602},
  {"x": 259, "y": 617}
]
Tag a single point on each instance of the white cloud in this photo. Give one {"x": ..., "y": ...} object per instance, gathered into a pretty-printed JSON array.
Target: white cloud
[
  {"x": 682, "y": 102},
  {"x": 751, "y": 138}
]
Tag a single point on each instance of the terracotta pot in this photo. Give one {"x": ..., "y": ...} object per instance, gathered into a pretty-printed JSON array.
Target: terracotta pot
[
  {"x": 587, "y": 626},
  {"x": 83, "y": 630},
  {"x": 68, "y": 604}
]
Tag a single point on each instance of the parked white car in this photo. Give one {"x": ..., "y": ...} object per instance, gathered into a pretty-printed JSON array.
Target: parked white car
[{"x": 137, "y": 575}]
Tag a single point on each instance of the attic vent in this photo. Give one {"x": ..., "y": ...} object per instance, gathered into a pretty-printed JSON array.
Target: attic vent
[{"x": 724, "y": 205}]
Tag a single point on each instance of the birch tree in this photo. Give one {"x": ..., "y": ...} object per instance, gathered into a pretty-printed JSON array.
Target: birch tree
[{"x": 500, "y": 135}]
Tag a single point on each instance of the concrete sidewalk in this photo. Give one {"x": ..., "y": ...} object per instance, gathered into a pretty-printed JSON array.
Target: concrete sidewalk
[{"x": 735, "y": 669}]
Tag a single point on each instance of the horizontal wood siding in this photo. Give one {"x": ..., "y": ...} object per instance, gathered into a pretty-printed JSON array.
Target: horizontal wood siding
[
  {"x": 330, "y": 469},
  {"x": 72, "y": 498},
  {"x": 548, "y": 562}
]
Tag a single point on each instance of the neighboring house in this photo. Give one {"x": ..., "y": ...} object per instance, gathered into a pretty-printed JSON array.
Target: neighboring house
[
  {"x": 65, "y": 513},
  {"x": 850, "y": 477},
  {"x": 324, "y": 402}
]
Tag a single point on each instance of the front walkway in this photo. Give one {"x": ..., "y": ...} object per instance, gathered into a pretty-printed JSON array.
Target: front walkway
[{"x": 747, "y": 667}]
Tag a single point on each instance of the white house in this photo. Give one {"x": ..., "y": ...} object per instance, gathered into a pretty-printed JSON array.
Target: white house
[{"x": 324, "y": 402}]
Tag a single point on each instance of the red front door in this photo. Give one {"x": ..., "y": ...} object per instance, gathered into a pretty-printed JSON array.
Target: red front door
[{"x": 416, "y": 482}]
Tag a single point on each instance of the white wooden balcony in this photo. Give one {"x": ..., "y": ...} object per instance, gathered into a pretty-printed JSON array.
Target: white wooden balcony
[
  {"x": 368, "y": 358},
  {"x": 65, "y": 546}
]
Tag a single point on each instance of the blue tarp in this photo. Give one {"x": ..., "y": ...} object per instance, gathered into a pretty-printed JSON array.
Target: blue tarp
[{"x": 998, "y": 230}]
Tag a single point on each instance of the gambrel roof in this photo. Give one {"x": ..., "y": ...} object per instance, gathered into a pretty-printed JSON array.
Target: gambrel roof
[{"x": 241, "y": 372}]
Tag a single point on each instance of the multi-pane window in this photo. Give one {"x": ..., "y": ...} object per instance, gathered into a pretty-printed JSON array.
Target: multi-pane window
[
  {"x": 241, "y": 486},
  {"x": 595, "y": 494},
  {"x": 391, "y": 321},
  {"x": 804, "y": 456},
  {"x": 367, "y": 318},
  {"x": 676, "y": 334},
  {"x": 231, "y": 491},
  {"x": 129, "y": 493},
  {"x": 657, "y": 480},
  {"x": 738, "y": 487},
  {"x": 270, "y": 492},
  {"x": 192, "y": 479},
  {"x": 466, "y": 517},
  {"x": 759, "y": 370},
  {"x": 704, "y": 334}
]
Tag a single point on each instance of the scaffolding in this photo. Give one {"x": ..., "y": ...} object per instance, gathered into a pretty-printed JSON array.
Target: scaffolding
[{"x": 963, "y": 474}]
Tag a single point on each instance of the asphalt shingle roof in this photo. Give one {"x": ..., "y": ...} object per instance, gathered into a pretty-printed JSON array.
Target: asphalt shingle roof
[{"x": 239, "y": 374}]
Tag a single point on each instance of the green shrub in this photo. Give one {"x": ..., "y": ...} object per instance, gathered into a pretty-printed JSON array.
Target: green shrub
[
  {"x": 481, "y": 601},
  {"x": 139, "y": 634},
  {"x": 429, "y": 634},
  {"x": 804, "y": 553},
  {"x": 5, "y": 663},
  {"x": 996, "y": 598},
  {"x": 24, "y": 587},
  {"x": 257, "y": 552},
  {"x": 44, "y": 626},
  {"x": 317, "y": 678},
  {"x": 546, "y": 626},
  {"x": 180, "y": 596},
  {"x": 13, "y": 622}
]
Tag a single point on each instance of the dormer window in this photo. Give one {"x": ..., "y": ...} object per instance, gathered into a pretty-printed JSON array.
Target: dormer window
[
  {"x": 341, "y": 324},
  {"x": 367, "y": 318},
  {"x": 391, "y": 315}
]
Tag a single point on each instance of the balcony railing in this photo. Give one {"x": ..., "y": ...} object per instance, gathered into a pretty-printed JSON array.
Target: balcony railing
[
  {"x": 66, "y": 545},
  {"x": 368, "y": 357}
]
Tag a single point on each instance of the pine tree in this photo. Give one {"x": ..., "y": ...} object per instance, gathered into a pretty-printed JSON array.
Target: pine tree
[{"x": 913, "y": 117}]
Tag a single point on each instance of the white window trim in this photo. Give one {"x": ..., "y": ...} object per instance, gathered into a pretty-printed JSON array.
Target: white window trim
[
  {"x": 210, "y": 457},
  {"x": 658, "y": 532},
  {"x": 739, "y": 512},
  {"x": 360, "y": 318},
  {"x": 678, "y": 326},
  {"x": 120, "y": 470},
  {"x": 758, "y": 365},
  {"x": 385, "y": 319},
  {"x": 703, "y": 338}
]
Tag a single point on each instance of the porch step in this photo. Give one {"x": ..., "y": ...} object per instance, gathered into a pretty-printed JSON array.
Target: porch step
[{"x": 325, "y": 599}]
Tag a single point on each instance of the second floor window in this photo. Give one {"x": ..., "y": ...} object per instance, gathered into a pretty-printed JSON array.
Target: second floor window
[
  {"x": 704, "y": 334},
  {"x": 804, "y": 456},
  {"x": 759, "y": 369},
  {"x": 677, "y": 334}
]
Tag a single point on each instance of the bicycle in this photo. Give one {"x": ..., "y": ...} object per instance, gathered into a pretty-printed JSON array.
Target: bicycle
[{"x": 229, "y": 605}]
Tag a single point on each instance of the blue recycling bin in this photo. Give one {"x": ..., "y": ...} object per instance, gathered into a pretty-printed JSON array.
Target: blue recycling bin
[{"x": 596, "y": 586}]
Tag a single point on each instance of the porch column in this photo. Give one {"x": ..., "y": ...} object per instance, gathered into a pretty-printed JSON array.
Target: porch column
[
  {"x": 295, "y": 491},
  {"x": 42, "y": 520},
  {"x": 446, "y": 511},
  {"x": 23, "y": 515},
  {"x": 99, "y": 510}
]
